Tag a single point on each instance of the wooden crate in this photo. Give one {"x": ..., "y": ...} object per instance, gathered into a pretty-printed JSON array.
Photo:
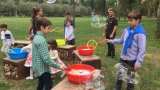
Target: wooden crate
[
  {"x": 21, "y": 43},
  {"x": 15, "y": 69},
  {"x": 66, "y": 52},
  {"x": 65, "y": 84},
  {"x": 92, "y": 60}
]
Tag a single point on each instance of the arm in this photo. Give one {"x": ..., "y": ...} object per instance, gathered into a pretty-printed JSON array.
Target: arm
[
  {"x": 55, "y": 54},
  {"x": 105, "y": 28},
  {"x": 72, "y": 23},
  {"x": 115, "y": 27},
  {"x": 12, "y": 38},
  {"x": 120, "y": 40},
  {"x": 141, "y": 49},
  {"x": 28, "y": 47},
  {"x": 43, "y": 51},
  {"x": 114, "y": 30},
  {"x": 2, "y": 36},
  {"x": 64, "y": 23}
]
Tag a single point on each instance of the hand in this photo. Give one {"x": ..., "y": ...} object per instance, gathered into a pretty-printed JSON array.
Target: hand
[
  {"x": 111, "y": 36},
  {"x": 21, "y": 50},
  {"x": 136, "y": 67},
  {"x": 103, "y": 41},
  {"x": 62, "y": 67}
]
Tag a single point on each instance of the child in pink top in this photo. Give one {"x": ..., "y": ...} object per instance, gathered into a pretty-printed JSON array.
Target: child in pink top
[
  {"x": 28, "y": 62},
  {"x": 54, "y": 55}
]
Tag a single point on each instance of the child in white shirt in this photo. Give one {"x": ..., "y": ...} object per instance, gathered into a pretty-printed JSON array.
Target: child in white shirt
[
  {"x": 53, "y": 52},
  {"x": 69, "y": 34},
  {"x": 7, "y": 39},
  {"x": 28, "y": 62}
]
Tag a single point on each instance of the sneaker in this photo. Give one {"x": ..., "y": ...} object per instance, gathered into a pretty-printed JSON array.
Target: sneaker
[{"x": 29, "y": 77}]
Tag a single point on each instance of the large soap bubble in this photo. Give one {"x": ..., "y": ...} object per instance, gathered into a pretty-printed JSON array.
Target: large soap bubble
[{"x": 97, "y": 20}]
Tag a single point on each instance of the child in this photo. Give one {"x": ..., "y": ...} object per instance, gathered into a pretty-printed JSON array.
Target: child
[
  {"x": 28, "y": 62},
  {"x": 7, "y": 39},
  {"x": 41, "y": 61},
  {"x": 134, "y": 46},
  {"x": 36, "y": 13},
  {"x": 69, "y": 34},
  {"x": 68, "y": 18},
  {"x": 54, "y": 55}
]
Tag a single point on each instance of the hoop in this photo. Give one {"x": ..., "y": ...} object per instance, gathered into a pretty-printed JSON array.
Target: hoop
[
  {"x": 92, "y": 43},
  {"x": 57, "y": 29}
]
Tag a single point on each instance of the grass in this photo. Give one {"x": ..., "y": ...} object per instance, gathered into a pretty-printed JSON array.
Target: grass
[{"x": 149, "y": 73}]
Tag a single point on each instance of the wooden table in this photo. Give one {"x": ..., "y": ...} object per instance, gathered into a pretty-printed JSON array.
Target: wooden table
[
  {"x": 66, "y": 52},
  {"x": 21, "y": 43},
  {"x": 92, "y": 60},
  {"x": 15, "y": 69},
  {"x": 65, "y": 84}
]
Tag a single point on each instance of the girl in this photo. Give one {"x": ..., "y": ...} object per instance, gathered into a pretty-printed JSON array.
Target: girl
[
  {"x": 52, "y": 44},
  {"x": 28, "y": 62},
  {"x": 36, "y": 13}
]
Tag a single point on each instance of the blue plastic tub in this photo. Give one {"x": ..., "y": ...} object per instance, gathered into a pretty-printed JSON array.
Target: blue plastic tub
[{"x": 16, "y": 54}]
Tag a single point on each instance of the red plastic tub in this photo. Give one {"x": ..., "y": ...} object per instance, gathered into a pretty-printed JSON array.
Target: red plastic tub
[
  {"x": 85, "y": 50},
  {"x": 79, "y": 73}
]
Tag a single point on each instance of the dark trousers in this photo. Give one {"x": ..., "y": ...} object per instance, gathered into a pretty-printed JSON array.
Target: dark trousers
[
  {"x": 45, "y": 80},
  {"x": 111, "y": 48},
  {"x": 71, "y": 42},
  {"x": 118, "y": 84}
]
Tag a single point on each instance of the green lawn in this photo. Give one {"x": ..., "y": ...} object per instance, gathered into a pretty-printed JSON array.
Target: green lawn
[{"x": 149, "y": 73}]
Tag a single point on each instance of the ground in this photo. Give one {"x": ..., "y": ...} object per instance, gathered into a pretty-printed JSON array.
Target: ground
[{"x": 149, "y": 73}]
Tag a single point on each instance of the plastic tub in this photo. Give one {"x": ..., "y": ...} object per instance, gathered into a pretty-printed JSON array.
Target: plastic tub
[
  {"x": 61, "y": 42},
  {"x": 16, "y": 54},
  {"x": 79, "y": 77},
  {"x": 85, "y": 50}
]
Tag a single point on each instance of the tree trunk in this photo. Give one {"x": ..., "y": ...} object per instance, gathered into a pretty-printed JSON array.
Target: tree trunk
[{"x": 157, "y": 33}]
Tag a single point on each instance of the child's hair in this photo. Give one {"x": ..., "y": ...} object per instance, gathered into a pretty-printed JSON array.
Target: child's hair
[
  {"x": 42, "y": 22},
  {"x": 111, "y": 9},
  {"x": 53, "y": 44},
  {"x": 68, "y": 21},
  {"x": 67, "y": 13},
  {"x": 31, "y": 37},
  {"x": 35, "y": 10},
  {"x": 3, "y": 26},
  {"x": 135, "y": 14}
]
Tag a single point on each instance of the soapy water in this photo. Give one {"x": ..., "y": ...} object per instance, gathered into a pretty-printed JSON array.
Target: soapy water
[{"x": 79, "y": 72}]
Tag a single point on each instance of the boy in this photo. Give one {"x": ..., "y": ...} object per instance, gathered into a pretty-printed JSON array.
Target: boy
[
  {"x": 68, "y": 18},
  {"x": 69, "y": 34},
  {"x": 134, "y": 45},
  {"x": 7, "y": 39},
  {"x": 41, "y": 61},
  {"x": 110, "y": 32}
]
